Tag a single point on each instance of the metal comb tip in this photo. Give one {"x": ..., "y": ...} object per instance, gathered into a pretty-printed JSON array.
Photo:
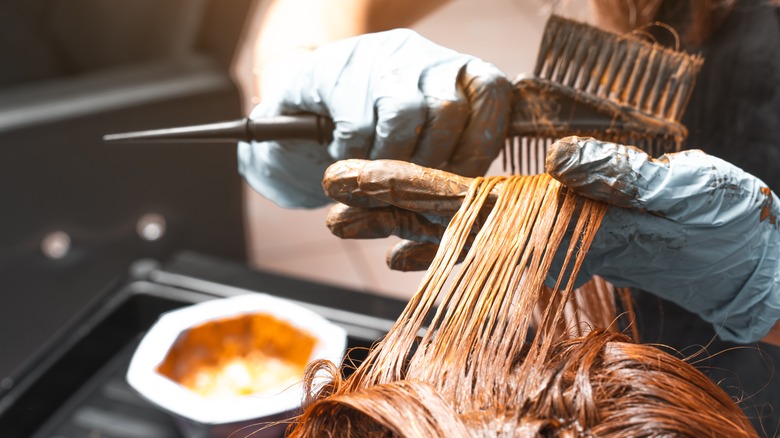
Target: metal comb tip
[{"x": 301, "y": 126}]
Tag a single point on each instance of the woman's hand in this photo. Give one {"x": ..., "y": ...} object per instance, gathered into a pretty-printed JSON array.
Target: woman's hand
[{"x": 392, "y": 95}]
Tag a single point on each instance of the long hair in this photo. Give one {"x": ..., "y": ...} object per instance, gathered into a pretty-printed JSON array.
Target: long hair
[
  {"x": 486, "y": 366},
  {"x": 598, "y": 385}
]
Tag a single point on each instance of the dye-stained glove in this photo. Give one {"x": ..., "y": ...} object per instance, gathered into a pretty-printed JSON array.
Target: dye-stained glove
[
  {"x": 688, "y": 227},
  {"x": 692, "y": 229},
  {"x": 392, "y": 95},
  {"x": 387, "y": 197}
]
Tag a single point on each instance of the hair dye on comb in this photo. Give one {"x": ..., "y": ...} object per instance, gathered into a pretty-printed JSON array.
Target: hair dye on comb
[{"x": 593, "y": 83}]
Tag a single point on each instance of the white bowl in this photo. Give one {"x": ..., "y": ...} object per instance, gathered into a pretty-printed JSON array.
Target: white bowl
[{"x": 205, "y": 416}]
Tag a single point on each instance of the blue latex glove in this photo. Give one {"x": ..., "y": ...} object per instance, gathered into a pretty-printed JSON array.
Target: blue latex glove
[
  {"x": 693, "y": 229},
  {"x": 688, "y": 227},
  {"x": 391, "y": 95}
]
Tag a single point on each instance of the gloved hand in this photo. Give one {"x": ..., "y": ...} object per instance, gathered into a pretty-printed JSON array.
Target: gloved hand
[
  {"x": 688, "y": 227},
  {"x": 694, "y": 229},
  {"x": 388, "y": 197},
  {"x": 391, "y": 95}
]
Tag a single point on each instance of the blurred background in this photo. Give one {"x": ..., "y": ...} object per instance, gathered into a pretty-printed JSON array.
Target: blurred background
[{"x": 76, "y": 213}]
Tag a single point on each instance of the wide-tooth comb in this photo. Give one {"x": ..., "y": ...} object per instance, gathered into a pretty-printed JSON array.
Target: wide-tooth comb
[{"x": 590, "y": 82}]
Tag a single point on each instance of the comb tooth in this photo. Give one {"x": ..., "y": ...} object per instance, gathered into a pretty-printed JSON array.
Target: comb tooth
[
  {"x": 680, "y": 98},
  {"x": 674, "y": 89},
  {"x": 686, "y": 79},
  {"x": 520, "y": 154},
  {"x": 664, "y": 146},
  {"x": 643, "y": 73},
  {"x": 613, "y": 68},
  {"x": 656, "y": 90},
  {"x": 562, "y": 30},
  {"x": 539, "y": 155},
  {"x": 677, "y": 88},
  {"x": 533, "y": 162},
  {"x": 687, "y": 70},
  {"x": 562, "y": 57},
  {"x": 626, "y": 69},
  {"x": 582, "y": 51},
  {"x": 527, "y": 155},
  {"x": 516, "y": 155},
  {"x": 656, "y": 146},
  {"x": 672, "y": 86},
  {"x": 532, "y": 158},
  {"x": 551, "y": 48},
  {"x": 650, "y": 147},
  {"x": 587, "y": 67},
  {"x": 653, "y": 148},
  {"x": 640, "y": 143},
  {"x": 605, "y": 54},
  {"x": 667, "y": 145},
  {"x": 548, "y": 66},
  {"x": 544, "y": 48},
  {"x": 566, "y": 64},
  {"x": 543, "y": 154},
  {"x": 628, "y": 140},
  {"x": 579, "y": 48}
]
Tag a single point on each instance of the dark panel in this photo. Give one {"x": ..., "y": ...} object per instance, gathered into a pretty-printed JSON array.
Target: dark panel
[{"x": 108, "y": 67}]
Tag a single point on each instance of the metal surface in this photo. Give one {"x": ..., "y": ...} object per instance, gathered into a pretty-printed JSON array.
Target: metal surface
[{"x": 76, "y": 388}]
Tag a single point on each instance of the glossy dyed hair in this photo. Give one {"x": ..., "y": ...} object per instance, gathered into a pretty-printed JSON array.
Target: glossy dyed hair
[
  {"x": 502, "y": 355},
  {"x": 598, "y": 385}
]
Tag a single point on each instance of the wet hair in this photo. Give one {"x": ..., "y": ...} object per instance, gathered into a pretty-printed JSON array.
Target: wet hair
[
  {"x": 503, "y": 355},
  {"x": 600, "y": 385}
]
